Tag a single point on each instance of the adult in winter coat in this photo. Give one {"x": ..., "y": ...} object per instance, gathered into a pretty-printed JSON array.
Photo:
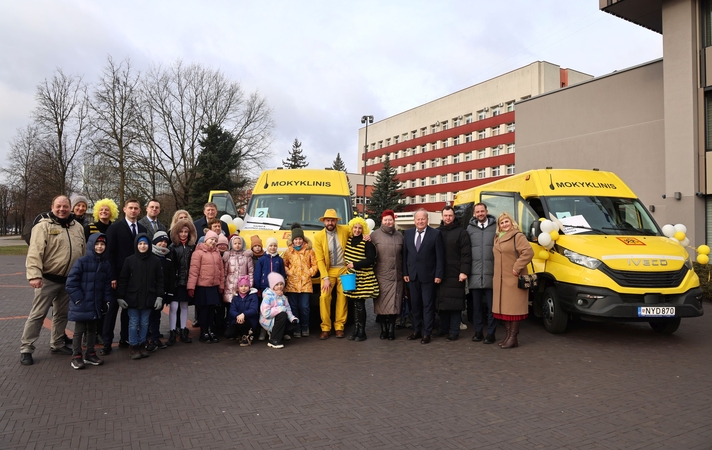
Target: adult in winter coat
[
  {"x": 89, "y": 289},
  {"x": 512, "y": 253},
  {"x": 482, "y": 229},
  {"x": 300, "y": 266},
  {"x": 389, "y": 273},
  {"x": 360, "y": 256},
  {"x": 183, "y": 237},
  {"x": 458, "y": 260},
  {"x": 105, "y": 213}
]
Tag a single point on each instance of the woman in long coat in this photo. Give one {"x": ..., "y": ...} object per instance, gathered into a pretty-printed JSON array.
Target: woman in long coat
[
  {"x": 512, "y": 253},
  {"x": 389, "y": 272}
]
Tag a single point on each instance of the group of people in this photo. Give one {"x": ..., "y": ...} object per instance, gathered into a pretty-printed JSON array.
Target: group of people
[{"x": 93, "y": 271}]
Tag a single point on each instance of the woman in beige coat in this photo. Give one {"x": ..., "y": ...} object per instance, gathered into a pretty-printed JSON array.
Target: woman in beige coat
[
  {"x": 389, "y": 273},
  {"x": 512, "y": 253}
]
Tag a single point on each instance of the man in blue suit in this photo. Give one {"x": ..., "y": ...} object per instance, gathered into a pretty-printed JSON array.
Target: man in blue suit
[{"x": 423, "y": 268}]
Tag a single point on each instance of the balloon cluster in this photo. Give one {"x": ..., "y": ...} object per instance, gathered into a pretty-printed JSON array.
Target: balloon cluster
[
  {"x": 677, "y": 234},
  {"x": 548, "y": 236},
  {"x": 370, "y": 223},
  {"x": 232, "y": 224}
]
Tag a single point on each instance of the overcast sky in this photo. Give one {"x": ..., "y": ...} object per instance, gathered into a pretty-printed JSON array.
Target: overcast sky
[{"x": 321, "y": 65}]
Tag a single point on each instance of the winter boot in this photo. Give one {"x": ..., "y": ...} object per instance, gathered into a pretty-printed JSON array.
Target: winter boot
[
  {"x": 354, "y": 333},
  {"x": 507, "y": 326},
  {"x": 384, "y": 328},
  {"x": 512, "y": 341},
  {"x": 361, "y": 320},
  {"x": 391, "y": 327},
  {"x": 171, "y": 338},
  {"x": 143, "y": 350},
  {"x": 184, "y": 337},
  {"x": 134, "y": 352}
]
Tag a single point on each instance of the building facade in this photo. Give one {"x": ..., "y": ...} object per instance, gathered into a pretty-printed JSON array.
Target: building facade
[{"x": 458, "y": 141}]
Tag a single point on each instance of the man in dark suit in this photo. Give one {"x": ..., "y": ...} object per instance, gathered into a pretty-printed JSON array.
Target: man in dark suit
[
  {"x": 423, "y": 268},
  {"x": 211, "y": 211},
  {"x": 150, "y": 221},
  {"x": 120, "y": 245}
]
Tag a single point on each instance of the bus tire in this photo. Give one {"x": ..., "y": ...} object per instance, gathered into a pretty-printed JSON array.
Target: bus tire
[{"x": 555, "y": 319}]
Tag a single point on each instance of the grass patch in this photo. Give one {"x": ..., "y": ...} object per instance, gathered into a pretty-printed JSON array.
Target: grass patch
[{"x": 13, "y": 250}]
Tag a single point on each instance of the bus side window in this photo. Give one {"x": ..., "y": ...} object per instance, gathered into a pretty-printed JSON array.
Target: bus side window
[{"x": 536, "y": 205}]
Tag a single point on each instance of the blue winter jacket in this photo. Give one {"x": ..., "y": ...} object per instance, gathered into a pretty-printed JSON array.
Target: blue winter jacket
[
  {"x": 266, "y": 265},
  {"x": 250, "y": 306},
  {"x": 89, "y": 284}
]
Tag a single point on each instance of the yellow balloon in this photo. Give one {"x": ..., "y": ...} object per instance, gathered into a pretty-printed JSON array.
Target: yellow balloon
[
  {"x": 703, "y": 249},
  {"x": 231, "y": 227},
  {"x": 543, "y": 254},
  {"x": 554, "y": 235},
  {"x": 679, "y": 235},
  {"x": 541, "y": 219},
  {"x": 703, "y": 259}
]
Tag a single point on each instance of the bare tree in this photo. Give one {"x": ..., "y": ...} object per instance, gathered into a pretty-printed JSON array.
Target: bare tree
[
  {"x": 178, "y": 102},
  {"x": 61, "y": 119},
  {"x": 115, "y": 132},
  {"x": 25, "y": 175}
]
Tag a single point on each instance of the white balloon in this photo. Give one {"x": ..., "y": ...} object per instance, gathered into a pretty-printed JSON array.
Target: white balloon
[
  {"x": 227, "y": 218},
  {"x": 238, "y": 223},
  {"x": 544, "y": 239},
  {"x": 550, "y": 246},
  {"x": 370, "y": 223},
  {"x": 681, "y": 227},
  {"x": 685, "y": 242},
  {"x": 674, "y": 240},
  {"x": 547, "y": 226},
  {"x": 669, "y": 230}
]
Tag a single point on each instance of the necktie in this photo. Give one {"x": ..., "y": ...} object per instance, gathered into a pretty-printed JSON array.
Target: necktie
[
  {"x": 333, "y": 249},
  {"x": 153, "y": 224},
  {"x": 418, "y": 241},
  {"x": 133, "y": 229},
  {"x": 482, "y": 225}
]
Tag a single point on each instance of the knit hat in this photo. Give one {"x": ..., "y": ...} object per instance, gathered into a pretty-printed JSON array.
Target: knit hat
[
  {"x": 100, "y": 239},
  {"x": 159, "y": 236},
  {"x": 78, "y": 198},
  {"x": 274, "y": 278},
  {"x": 143, "y": 238},
  {"x": 211, "y": 235},
  {"x": 255, "y": 240},
  {"x": 271, "y": 240},
  {"x": 388, "y": 212},
  {"x": 297, "y": 231},
  {"x": 222, "y": 240},
  {"x": 243, "y": 280}
]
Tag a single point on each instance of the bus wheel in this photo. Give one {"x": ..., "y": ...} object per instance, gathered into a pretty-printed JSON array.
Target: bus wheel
[
  {"x": 665, "y": 326},
  {"x": 555, "y": 320}
]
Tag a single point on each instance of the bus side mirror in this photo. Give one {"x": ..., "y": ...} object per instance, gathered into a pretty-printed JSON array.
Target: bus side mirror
[{"x": 534, "y": 230}]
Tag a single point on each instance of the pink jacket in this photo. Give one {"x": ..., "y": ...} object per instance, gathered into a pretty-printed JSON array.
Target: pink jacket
[
  {"x": 237, "y": 264},
  {"x": 206, "y": 268}
]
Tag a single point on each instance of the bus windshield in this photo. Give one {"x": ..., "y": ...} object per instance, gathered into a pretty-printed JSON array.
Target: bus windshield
[
  {"x": 303, "y": 208},
  {"x": 602, "y": 215}
]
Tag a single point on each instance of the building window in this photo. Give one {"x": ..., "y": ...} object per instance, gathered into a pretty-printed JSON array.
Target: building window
[
  {"x": 456, "y": 122},
  {"x": 373, "y": 146},
  {"x": 423, "y": 182},
  {"x": 456, "y": 158},
  {"x": 434, "y": 180},
  {"x": 444, "y": 123},
  {"x": 380, "y": 144},
  {"x": 434, "y": 163},
  {"x": 468, "y": 118},
  {"x": 423, "y": 131},
  {"x": 434, "y": 146},
  {"x": 431, "y": 198},
  {"x": 495, "y": 131},
  {"x": 455, "y": 177},
  {"x": 443, "y": 179},
  {"x": 468, "y": 175},
  {"x": 443, "y": 197},
  {"x": 510, "y": 148},
  {"x": 495, "y": 151},
  {"x": 456, "y": 140},
  {"x": 395, "y": 139},
  {"x": 482, "y": 153},
  {"x": 481, "y": 134},
  {"x": 444, "y": 141},
  {"x": 510, "y": 106},
  {"x": 388, "y": 142},
  {"x": 412, "y": 183},
  {"x": 468, "y": 156},
  {"x": 495, "y": 171},
  {"x": 422, "y": 165},
  {"x": 468, "y": 137},
  {"x": 510, "y": 127},
  {"x": 444, "y": 161},
  {"x": 413, "y": 134},
  {"x": 495, "y": 111},
  {"x": 433, "y": 129},
  {"x": 510, "y": 169},
  {"x": 481, "y": 115},
  {"x": 481, "y": 173}
]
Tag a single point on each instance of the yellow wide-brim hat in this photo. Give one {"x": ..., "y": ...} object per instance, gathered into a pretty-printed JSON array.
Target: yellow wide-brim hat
[{"x": 329, "y": 214}]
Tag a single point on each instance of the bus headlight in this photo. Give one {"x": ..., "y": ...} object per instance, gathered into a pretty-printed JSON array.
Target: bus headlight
[{"x": 582, "y": 260}]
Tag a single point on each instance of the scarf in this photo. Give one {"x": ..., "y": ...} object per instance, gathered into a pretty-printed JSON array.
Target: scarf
[
  {"x": 160, "y": 251},
  {"x": 388, "y": 230}
]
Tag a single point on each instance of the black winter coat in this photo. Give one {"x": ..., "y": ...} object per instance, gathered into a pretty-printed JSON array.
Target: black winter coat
[
  {"x": 458, "y": 259},
  {"x": 89, "y": 284},
  {"x": 141, "y": 279},
  {"x": 180, "y": 255}
]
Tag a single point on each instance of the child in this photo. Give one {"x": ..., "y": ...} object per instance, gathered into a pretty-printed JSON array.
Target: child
[
  {"x": 275, "y": 314},
  {"x": 244, "y": 313},
  {"x": 205, "y": 284},
  {"x": 257, "y": 250},
  {"x": 300, "y": 265},
  {"x": 183, "y": 235},
  {"x": 222, "y": 244},
  {"x": 89, "y": 289},
  {"x": 238, "y": 262},
  {"x": 160, "y": 249},
  {"x": 140, "y": 289},
  {"x": 268, "y": 263}
]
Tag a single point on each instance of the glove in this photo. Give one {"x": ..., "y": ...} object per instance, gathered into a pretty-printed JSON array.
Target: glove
[
  {"x": 159, "y": 304},
  {"x": 122, "y": 303},
  {"x": 191, "y": 293}
]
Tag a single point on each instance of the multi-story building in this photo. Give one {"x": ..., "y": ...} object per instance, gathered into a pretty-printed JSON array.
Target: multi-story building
[{"x": 460, "y": 140}]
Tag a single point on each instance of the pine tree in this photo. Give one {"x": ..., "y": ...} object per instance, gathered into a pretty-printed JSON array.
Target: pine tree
[
  {"x": 386, "y": 192},
  {"x": 296, "y": 160},
  {"x": 339, "y": 165},
  {"x": 215, "y": 165}
]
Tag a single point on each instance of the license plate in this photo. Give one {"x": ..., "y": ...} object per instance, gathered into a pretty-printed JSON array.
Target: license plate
[{"x": 656, "y": 311}]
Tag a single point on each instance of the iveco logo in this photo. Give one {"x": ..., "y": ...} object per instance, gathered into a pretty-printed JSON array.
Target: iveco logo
[{"x": 647, "y": 262}]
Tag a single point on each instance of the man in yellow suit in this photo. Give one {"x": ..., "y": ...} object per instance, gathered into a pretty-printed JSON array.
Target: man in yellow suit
[{"x": 329, "y": 245}]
